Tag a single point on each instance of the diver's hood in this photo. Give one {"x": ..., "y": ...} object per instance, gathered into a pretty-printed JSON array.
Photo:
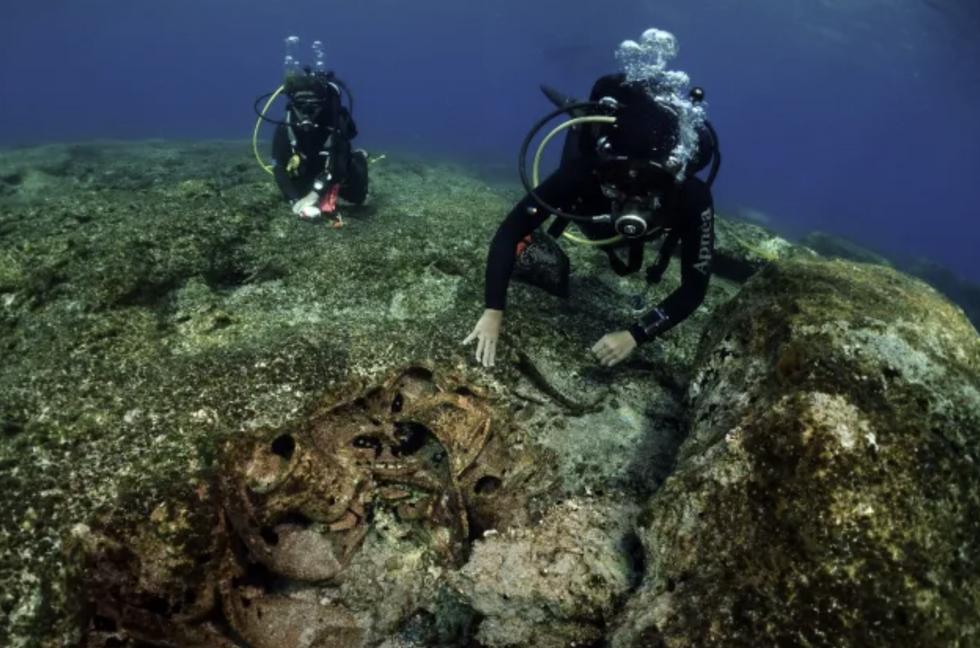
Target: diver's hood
[{"x": 645, "y": 130}]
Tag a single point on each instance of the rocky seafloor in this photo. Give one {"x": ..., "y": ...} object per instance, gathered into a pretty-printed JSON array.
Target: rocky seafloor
[{"x": 221, "y": 426}]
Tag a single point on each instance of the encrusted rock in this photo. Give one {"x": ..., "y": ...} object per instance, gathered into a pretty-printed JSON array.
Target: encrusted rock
[
  {"x": 838, "y": 247},
  {"x": 962, "y": 291},
  {"x": 743, "y": 248},
  {"x": 829, "y": 492},
  {"x": 554, "y": 584},
  {"x": 287, "y": 622}
]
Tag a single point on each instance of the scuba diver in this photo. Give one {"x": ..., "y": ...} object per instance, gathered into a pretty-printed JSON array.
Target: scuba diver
[
  {"x": 626, "y": 177},
  {"x": 313, "y": 162}
]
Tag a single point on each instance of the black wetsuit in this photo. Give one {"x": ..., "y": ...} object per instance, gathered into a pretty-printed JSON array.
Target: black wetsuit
[
  {"x": 321, "y": 154},
  {"x": 687, "y": 213}
]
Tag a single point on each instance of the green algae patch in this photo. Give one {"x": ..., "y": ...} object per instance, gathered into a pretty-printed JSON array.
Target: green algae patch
[{"x": 829, "y": 493}]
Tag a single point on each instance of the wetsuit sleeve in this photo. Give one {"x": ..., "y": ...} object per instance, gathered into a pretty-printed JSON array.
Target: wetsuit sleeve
[
  {"x": 281, "y": 152},
  {"x": 557, "y": 189},
  {"x": 697, "y": 239},
  {"x": 656, "y": 271}
]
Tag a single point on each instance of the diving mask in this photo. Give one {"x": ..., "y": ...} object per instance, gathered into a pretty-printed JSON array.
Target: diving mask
[
  {"x": 306, "y": 107},
  {"x": 632, "y": 177}
]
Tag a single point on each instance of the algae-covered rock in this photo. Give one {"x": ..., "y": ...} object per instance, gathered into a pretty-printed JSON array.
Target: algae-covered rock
[
  {"x": 837, "y": 247},
  {"x": 743, "y": 248},
  {"x": 961, "y": 291},
  {"x": 829, "y": 493},
  {"x": 555, "y": 584}
]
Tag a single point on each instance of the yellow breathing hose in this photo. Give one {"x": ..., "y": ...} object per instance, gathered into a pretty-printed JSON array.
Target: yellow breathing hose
[
  {"x": 255, "y": 134},
  {"x": 258, "y": 124},
  {"x": 595, "y": 119}
]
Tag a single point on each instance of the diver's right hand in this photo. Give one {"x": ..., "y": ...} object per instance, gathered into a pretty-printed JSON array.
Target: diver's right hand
[
  {"x": 306, "y": 207},
  {"x": 486, "y": 332}
]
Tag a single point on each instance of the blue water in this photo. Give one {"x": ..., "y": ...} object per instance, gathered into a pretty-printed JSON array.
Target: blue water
[{"x": 853, "y": 116}]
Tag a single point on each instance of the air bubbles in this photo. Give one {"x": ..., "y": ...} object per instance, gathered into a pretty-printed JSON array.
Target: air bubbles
[
  {"x": 662, "y": 41},
  {"x": 318, "y": 54},
  {"x": 294, "y": 61},
  {"x": 291, "y": 63},
  {"x": 629, "y": 47},
  {"x": 648, "y": 58},
  {"x": 645, "y": 62}
]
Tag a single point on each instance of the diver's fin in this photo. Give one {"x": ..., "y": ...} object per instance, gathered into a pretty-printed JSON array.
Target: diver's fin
[
  {"x": 561, "y": 100},
  {"x": 556, "y": 97}
]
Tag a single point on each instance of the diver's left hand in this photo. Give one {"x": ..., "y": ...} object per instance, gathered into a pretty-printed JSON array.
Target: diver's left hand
[{"x": 613, "y": 348}]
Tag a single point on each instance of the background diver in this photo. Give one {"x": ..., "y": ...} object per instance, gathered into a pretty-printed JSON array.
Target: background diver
[
  {"x": 313, "y": 162},
  {"x": 625, "y": 180}
]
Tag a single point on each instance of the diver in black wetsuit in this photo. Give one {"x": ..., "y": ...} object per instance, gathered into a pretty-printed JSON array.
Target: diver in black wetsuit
[
  {"x": 314, "y": 163},
  {"x": 623, "y": 184}
]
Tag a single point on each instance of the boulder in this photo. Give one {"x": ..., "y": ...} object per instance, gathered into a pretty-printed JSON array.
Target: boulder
[
  {"x": 553, "y": 584},
  {"x": 838, "y": 247},
  {"x": 743, "y": 248},
  {"x": 829, "y": 491}
]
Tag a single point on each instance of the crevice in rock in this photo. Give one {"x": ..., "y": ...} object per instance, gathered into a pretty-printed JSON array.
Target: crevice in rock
[{"x": 632, "y": 546}]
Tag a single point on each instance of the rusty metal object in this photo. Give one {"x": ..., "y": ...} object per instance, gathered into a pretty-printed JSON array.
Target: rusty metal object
[{"x": 294, "y": 505}]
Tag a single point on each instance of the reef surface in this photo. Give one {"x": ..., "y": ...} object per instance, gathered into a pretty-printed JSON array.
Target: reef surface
[{"x": 223, "y": 426}]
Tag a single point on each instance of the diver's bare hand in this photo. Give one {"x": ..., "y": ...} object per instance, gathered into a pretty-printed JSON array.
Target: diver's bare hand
[
  {"x": 613, "y": 348},
  {"x": 306, "y": 207},
  {"x": 486, "y": 332}
]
